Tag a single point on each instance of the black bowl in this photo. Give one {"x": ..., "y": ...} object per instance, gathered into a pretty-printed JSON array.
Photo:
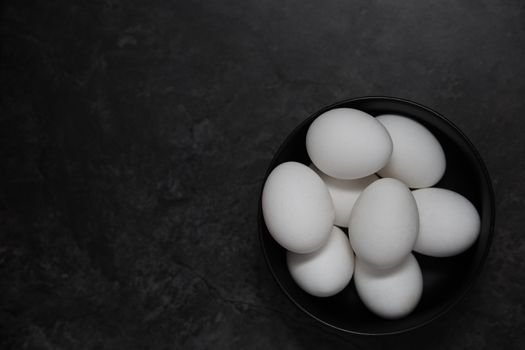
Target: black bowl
[{"x": 445, "y": 280}]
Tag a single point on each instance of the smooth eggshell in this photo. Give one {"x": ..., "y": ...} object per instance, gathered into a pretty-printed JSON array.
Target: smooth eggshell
[
  {"x": 297, "y": 208},
  {"x": 344, "y": 193},
  {"x": 346, "y": 143},
  {"x": 448, "y": 222},
  {"x": 389, "y": 293},
  {"x": 417, "y": 157},
  {"x": 326, "y": 271},
  {"x": 384, "y": 223}
]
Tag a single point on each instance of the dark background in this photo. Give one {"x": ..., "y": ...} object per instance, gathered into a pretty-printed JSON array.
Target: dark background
[{"x": 135, "y": 134}]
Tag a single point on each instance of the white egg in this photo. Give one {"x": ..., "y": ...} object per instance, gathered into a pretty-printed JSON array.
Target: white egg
[
  {"x": 326, "y": 271},
  {"x": 384, "y": 223},
  {"x": 297, "y": 208},
  {"x": 417, "y": 157},
  {"x": 346, "y": 143},
  {"x": 448, "y": 222},
  {"x": 344, "y": 193},
  {"x": 389, "y": 293}
]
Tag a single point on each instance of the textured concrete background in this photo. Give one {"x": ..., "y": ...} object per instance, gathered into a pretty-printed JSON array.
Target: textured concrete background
[{"x": 134, "y": 136}]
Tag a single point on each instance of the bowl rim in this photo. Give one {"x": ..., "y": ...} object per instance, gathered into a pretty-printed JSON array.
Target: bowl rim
[{"x": 473, "y": 276}]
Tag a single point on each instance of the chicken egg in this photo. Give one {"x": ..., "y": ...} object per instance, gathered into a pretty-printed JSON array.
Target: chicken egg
[
  {"x": 448, "y": 222},
  {"x": 389, "y": 293},
  {"x": 346, "y": 143},
  {"x": 326, "y": 271},
  {"x": 384, "y": 223},
  {"x": 297, "y": 208},
  {"x": 344, "y": 193},
  {"x": 417, "y": 157}
]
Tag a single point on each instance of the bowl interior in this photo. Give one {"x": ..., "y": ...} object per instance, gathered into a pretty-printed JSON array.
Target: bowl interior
[{"x": 445, "y": 280}]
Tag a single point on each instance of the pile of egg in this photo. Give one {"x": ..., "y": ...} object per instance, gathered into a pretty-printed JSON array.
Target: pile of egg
[{"x": 372, "y": 175}]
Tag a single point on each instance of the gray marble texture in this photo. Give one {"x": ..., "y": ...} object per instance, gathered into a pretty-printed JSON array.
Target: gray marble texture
[{"x": 134, "y": 136}]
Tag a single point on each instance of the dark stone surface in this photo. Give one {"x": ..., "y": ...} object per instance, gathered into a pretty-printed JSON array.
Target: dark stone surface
[{"x": 134, "y": 136}]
